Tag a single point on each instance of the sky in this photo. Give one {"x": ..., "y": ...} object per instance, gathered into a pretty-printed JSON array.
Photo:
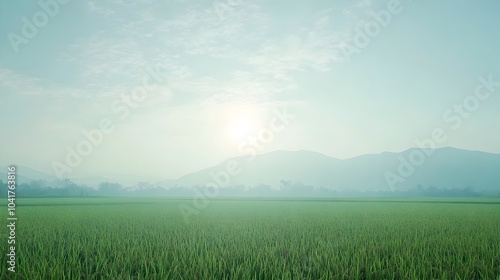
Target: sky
[{"x": 164, "y": 88}]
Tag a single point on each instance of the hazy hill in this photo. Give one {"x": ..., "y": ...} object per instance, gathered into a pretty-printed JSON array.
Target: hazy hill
[
  {"x": 268, "y": 169},
  {"x": 304, "y": 172},
  {"x": 444, "y": 168},
  {"x": 26, "y": 174}
]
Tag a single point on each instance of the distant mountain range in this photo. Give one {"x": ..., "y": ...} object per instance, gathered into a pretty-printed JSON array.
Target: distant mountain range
[
  {"x": 443, "y": 168},
  {"x": 306, "y": 171}
]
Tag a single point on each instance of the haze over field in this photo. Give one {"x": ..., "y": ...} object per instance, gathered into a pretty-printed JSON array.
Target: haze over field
[
  {"x": 162, "y": 89},
  {"x": 415, "y": 172}
]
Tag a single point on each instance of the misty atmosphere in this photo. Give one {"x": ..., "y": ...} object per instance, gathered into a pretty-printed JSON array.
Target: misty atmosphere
[
  {"x": 241, "y": 139},
  {"x": 298, "y": 174}
]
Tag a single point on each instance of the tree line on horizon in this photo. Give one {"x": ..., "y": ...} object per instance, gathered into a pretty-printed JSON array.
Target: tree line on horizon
[{"x": 68, "y": 188}]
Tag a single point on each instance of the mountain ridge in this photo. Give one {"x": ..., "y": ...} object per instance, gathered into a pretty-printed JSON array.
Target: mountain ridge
[{"x": 445, "y": 167}]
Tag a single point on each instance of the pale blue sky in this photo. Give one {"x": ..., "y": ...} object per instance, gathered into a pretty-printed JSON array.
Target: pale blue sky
[{"x": 226, "y": 70}]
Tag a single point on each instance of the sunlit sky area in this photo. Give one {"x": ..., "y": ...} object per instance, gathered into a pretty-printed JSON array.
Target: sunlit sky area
[{"x": 185, "y": 84}]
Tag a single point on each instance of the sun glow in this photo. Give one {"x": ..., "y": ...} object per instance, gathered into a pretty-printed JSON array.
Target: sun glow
[{"x": 241, "y": 128}]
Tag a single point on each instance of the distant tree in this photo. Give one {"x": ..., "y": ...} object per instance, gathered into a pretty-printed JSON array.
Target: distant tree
[
  {"x": 143, "y": 186},
  {"x": 35, "y": 188},
  {"x": 110, "y": 189},
  {"x": 285, "y": 184}
]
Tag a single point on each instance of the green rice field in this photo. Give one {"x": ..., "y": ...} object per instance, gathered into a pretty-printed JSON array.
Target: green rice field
[{"x": 123, "y": 238}]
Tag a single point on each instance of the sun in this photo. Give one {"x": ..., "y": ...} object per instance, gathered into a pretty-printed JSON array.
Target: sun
[
  {"x": 241, "y": 128},
  {"x": 242, "y": 122}
]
